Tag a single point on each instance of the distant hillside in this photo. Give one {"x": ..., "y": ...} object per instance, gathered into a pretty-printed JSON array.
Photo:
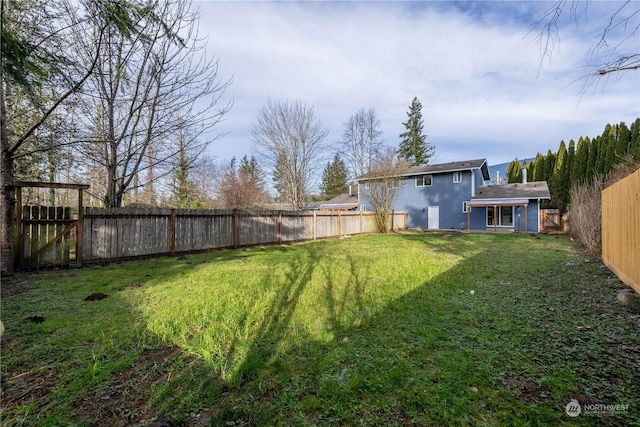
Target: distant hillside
[{"x": 502, "y": 169}]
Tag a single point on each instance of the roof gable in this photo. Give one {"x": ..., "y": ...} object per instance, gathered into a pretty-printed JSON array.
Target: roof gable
[{"x": 444, "y": 168}]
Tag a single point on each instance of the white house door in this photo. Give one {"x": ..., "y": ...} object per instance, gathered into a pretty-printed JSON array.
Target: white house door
[{"x": 433, "y": 217}]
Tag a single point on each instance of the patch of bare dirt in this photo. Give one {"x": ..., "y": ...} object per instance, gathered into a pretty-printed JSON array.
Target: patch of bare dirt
[
  {"x": 123, "y": 402},
  {"x": 28, "y": 386},
  {"x": 13, "y": 285},
  {"x": 96, "y": 297},
  {"x": 529, "y": 391},
  {"x": 35, "y": 319}
]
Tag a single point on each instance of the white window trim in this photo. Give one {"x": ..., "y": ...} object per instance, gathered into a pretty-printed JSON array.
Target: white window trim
[
  {"x": 465, "y": 207},
  {"x": 422, "y": 176},
  {"x": 457, "y": 174}
]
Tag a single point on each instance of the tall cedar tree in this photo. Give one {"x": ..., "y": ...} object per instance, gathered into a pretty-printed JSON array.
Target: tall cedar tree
[
  {"x": 579, "y": 169},
  {"x": 334, "y": 178},
  {"x": 414, "y": 147},
  {"x": 591, "y": 158},
  {"x": 514, "y": 172}
]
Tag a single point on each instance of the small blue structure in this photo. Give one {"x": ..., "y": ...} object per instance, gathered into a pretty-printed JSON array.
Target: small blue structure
[
  {"x": 508, "y": 207},
  {"x": 454, "y": 196}
]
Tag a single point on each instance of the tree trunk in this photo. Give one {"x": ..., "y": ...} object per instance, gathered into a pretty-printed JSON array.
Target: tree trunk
[
  {"x": 8, "y": 214},
  {"x": 8, "y": 201}
]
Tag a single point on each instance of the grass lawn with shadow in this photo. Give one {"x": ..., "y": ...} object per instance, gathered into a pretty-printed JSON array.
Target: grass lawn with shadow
[{"x": 408, "y": 328}]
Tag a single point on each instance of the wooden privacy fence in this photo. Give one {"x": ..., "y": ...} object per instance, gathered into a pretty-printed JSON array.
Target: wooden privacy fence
[
  {"x": 120, "y": 233},
  {"x": 550, "y": 220},
  {"x": 621, "y": 229},
  {"x": 51, "y": 234}
]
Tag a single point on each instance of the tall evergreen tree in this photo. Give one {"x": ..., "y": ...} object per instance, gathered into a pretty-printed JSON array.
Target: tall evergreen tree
[
  {"x": 579, "y": 168},
  {"x": 634, "y": 148},
  {"x": 606, "y": 159},
  {"x": 624, "y": 140},
  {"x": 251, "y": 170},
  {"x": 557, "y": 182},
  {"x": 537, "y": 173},
  {"x": 592, "y": 162},
  {"x": 413, "y": 145},
  {"x": 566, "y": 173},
  {"x": 514, "y": 172},
  {"x": 334, "y": 178},
  {"x": 549, "y": 164}
]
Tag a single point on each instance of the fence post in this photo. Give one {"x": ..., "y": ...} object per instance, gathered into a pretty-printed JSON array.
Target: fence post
[
  {"x": 315, "y": 225},
  {"x": 279, "y": 227},
  {"x": 80, "y": 231},
  {"x": 173, "y": 232},
  {"x": 235, "y": 228},
  {"x": 18, "y": 240},
  {"x": 393, "y": 214}
]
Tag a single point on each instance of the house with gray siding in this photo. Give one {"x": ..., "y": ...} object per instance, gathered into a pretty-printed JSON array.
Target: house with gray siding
[
  {"x": 508, "y": 207},
  {"x": 434, "y": 196},
  {"x": 454, "y": 196}
]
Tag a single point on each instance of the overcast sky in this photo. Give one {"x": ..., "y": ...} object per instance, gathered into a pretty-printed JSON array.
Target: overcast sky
[{"x": 475, "y": 66}]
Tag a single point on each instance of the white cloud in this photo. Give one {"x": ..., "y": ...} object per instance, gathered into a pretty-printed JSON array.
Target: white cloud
[{"x": 474, "y": 67}]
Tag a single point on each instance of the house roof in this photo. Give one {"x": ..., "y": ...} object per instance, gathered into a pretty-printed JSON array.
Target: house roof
[
  {"x": 514, "y": 192},
  {"x": 341, "y": 202},
  {"x": 443, "y": 168}
]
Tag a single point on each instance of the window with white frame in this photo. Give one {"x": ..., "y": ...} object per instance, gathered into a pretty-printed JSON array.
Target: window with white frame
[
  {"x": 505, "y": 216},
  {"x": 457, "y": 177},
  {"x": 465, "y": 207},
  {"x": 423, "y": 181}
]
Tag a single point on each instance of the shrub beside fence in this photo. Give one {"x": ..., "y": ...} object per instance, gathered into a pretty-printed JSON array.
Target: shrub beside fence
[
  {"x": 120, "y": 233},
  {"x": 621, "y": 229}
]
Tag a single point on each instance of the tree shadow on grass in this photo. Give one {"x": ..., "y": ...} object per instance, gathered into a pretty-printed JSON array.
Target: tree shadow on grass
[
  {"x": 435, "y": 355},
  {"x": 275, "y": 324}
]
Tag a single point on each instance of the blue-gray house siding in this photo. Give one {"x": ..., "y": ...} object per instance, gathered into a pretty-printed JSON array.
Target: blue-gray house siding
[
  {"x": 443, "y": 202},
  {"x": 479, "y": 218},
  {"x": 446, "y": 194},
  {"x": 443, "y": 192}
]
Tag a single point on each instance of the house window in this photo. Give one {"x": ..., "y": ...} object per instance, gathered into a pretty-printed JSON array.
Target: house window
[
  {"x": 505, "y": 216},
  {"x": 465, "y": 207},
  {"x": 393, "y": 183},
  {"x": 366, "y": 185},
  {"x": 457, "y": 177},
  {"x": 423, "y": 181}
]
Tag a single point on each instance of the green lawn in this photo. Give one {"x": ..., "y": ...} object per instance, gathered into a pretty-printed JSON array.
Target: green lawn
[{"x": 369, "y": 330}]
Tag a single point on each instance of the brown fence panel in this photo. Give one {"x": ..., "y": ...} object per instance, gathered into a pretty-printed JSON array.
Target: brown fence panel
[
  {"x": 621, "y": 229},
  {"x": 124, "y": 232},
  {"x": 43, "y": 240}
]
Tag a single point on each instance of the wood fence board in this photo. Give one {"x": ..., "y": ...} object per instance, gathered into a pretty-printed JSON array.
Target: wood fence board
[
  {"x": 122, "y": 233},
  {"x": 621, "y": 229}
]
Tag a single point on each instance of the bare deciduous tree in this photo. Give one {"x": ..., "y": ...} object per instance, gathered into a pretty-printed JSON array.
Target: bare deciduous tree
[
  {"x": 622, "y": 27},
  {"x": 361, "y": 141},
  {"x": 381, "y": 186},
  {"x": 38, "y": 59},
  {"x": 146, "y": 91},
  {"x": 241, "y": 186},
  {"x": 291, "y": 139}
]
